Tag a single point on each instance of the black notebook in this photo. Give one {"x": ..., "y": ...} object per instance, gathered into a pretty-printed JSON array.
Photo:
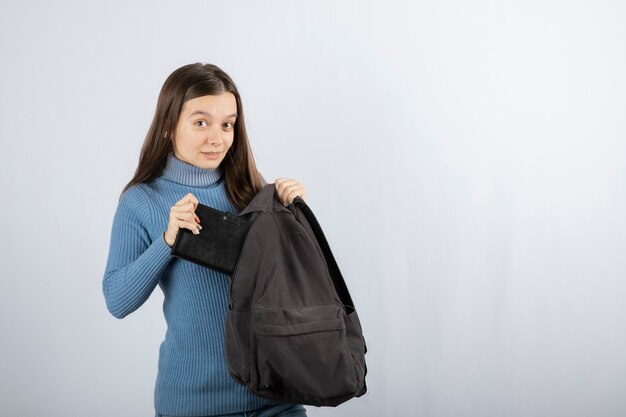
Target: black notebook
[{"x": 218, "y": 244}]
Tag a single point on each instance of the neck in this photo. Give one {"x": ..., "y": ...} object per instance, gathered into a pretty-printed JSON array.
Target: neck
[{"x": 182, "y": 172}]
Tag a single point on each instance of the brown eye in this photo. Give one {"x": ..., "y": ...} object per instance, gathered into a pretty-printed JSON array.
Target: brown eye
[
  {"x": 200, "y": 123},
  {"x": 228, "y": 125}
]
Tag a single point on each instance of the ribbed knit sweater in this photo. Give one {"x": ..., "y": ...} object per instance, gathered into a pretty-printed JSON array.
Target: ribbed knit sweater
[{"x": 192, "y": 379}]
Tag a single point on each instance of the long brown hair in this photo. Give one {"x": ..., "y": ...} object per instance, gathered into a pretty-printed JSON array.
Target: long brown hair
[{"x": 242, "y": 179}]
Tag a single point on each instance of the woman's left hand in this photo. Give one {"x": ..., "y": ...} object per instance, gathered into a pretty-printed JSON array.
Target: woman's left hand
[{"x": 288, "y": 189}]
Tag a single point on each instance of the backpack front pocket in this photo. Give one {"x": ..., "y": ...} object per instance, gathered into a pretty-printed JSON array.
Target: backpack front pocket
[
  {"x": 237, "y": 345},
  {"x": 302, "y": 352}
]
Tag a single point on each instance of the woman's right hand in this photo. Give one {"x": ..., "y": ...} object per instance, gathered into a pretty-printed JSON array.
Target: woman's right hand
[{"x": 182, "y": 215}]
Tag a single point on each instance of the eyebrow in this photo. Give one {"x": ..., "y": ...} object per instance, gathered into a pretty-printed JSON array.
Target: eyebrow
[{"x": 203, "y": 113}]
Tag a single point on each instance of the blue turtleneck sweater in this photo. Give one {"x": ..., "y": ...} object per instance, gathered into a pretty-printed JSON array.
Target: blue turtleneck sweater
[{"x": 192, "y": 379}]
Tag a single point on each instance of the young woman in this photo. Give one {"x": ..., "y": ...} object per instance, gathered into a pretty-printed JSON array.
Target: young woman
[{"x": 196, "y": 151}]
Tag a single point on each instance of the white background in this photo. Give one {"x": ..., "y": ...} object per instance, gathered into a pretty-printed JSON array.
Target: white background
[{"x": 465, "y": 159}]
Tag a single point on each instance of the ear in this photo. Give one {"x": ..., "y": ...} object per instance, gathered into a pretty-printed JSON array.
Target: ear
[{"x": 166, "y": 134}]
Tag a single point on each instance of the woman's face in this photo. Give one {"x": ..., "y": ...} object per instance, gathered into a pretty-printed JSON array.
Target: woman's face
[{"x": 205, "y": 130}]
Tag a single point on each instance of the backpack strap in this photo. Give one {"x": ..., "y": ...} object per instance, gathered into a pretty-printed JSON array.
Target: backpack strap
[{"x": 333, "y": 268}]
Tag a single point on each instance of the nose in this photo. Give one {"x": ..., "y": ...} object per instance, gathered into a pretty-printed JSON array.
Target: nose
[{"x": 214, "y": 139}]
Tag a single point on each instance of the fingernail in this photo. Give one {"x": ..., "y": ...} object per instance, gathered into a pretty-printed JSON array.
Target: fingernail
[
  {"x": 199, "y": 227},
  {"x": 198, "y": 219}
]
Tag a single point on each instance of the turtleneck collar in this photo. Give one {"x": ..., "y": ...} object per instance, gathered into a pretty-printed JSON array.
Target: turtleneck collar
[{"x": 187, "y": 174}]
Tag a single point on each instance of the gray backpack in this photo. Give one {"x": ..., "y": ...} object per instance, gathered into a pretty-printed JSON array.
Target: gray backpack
[{"x": 292, "y": 332}]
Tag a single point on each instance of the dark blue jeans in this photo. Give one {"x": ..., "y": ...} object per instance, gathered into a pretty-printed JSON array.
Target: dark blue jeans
[{"x": 280, "y": 410}]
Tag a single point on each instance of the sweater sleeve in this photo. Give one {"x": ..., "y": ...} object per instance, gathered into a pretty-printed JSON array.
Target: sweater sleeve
[{"x": 134, "y": 263}]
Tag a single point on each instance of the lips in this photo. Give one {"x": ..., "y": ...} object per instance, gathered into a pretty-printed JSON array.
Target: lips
[{"x": 211, "y": 155}]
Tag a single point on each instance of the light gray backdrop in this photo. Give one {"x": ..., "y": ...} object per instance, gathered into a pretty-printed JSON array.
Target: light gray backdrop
[{"x": 466, "y": 160}]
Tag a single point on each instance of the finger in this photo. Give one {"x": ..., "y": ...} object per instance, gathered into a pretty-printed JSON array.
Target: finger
[
  {"x": 188, "y": 207},
  {"x": 184, "y": 220},
  {"x": 184, "y": 208},
  {"x": 195, "y": 229},
  {"x": 189, "y": 198},
  {"x": 185, "y": 200},
  {"x": 290, "y": 192},
  {"x": 293, "y": 194},
  {"x": 284, "y": 187},
  {"x": 183, "y": 214},
  {"x": 285, "y": 181}
]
